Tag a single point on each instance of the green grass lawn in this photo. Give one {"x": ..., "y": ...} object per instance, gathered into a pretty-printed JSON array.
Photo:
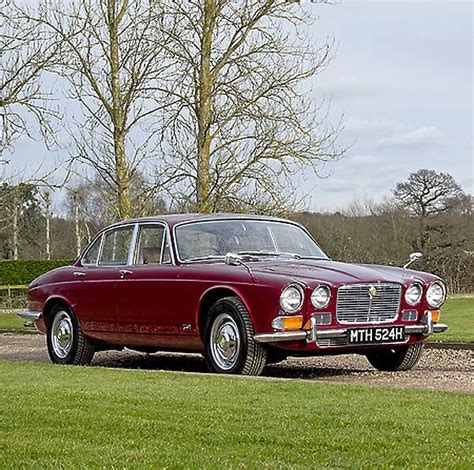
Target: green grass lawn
[
  {"x": 10, "y": 321},
  {"x": 458, "y": 313},
  {"x": 68, "y": 417}
]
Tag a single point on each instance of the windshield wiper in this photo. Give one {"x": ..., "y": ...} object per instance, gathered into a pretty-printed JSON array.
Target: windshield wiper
[
  {"x": 279, "y": 253},
  {"x": 269, "y": 253},
  {"x": 204, "y": 258}
]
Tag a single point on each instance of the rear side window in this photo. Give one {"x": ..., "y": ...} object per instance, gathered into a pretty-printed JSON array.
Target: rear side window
[
  {"x": 92, "y": 254},
  {"x": 152, "y": 245},
  {"x": 117, "y": 246}
]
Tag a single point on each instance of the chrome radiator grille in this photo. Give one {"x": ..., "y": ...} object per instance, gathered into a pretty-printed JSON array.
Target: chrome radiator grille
[{"x": 368, "y": 303}]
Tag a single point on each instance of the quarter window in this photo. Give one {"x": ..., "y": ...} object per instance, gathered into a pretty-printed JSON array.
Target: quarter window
[
  {"x": 92, "y": 253},
  {"x": 117, "y": 246},
  {"x": 152, "y": 245}
]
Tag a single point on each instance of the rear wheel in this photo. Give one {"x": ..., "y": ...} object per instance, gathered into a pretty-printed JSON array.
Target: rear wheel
[
  {"x": 395, "y": 359},
  {"x": 229, "y": 344},
  {"x": 66, "y": 341}
]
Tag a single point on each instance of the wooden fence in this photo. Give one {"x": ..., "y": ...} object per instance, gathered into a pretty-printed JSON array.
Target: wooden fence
[{"x": 12, "y": 297}]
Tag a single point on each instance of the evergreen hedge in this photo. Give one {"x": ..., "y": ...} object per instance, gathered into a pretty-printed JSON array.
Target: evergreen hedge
[{"x": 22, "y": 272}]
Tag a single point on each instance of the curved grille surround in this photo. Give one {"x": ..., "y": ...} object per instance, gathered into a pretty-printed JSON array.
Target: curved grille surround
[{"x": 357, "y": 304}]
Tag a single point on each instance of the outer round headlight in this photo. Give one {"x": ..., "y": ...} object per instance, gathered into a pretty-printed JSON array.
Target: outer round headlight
[
  {"x": 291, "y": 298},
  {"x": 413, "y": 294},
  {"x": 321, "y": 296},
  {"x": 436, "y": 294}
]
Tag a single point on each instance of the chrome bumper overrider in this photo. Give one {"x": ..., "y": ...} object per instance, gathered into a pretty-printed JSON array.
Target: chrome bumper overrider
[
  {"x": 29, "y": 315},
  {"x": 313, "y": 335}
]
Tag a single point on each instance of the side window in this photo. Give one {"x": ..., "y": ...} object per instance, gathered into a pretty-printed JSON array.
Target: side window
[
  {"x": 152, "y": 247},
  {"x": 92, "y": 253},
  {"x": 117, "y": 246}
]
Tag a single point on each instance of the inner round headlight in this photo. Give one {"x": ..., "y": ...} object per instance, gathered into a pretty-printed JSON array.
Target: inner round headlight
[
  {"x": 436, "y": 294},
  {"x": 413, "y": 294},
  {"x": 291, "y": 298},
  {"x": 321, "y": 296}
]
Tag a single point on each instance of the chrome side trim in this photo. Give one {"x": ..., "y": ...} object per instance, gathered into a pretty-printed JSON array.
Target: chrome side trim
[{"x": 29, "y": 315}]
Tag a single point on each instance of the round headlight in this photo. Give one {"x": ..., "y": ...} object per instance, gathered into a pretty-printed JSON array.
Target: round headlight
[
  {"x": 413, "y": 294},
  {"x": 321, "y": 296},
  {"x": 436, "y": 294},
  {"x": 291, "y": 298}
]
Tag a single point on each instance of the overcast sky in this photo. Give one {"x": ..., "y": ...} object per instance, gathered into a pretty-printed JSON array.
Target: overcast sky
[{"x": 402, "y": 78}]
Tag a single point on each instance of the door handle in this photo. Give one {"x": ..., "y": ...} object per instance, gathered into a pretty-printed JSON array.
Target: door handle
[
  {"x": 125, "y": 272},
  {"x": 79, "y": 273}
]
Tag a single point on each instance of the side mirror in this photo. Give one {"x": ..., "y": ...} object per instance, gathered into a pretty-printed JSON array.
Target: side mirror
[
  {"x": 412, "y": 258},
  {"x": 233, "y": 259}
]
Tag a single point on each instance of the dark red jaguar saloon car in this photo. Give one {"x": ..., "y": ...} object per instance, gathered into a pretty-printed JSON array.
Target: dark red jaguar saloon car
[{"x": 243, "y": 290}]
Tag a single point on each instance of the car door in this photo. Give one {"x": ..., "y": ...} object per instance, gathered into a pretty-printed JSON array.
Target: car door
[
  {"x": 148, "y": 296},
  {"x": 95, "y": 279}
]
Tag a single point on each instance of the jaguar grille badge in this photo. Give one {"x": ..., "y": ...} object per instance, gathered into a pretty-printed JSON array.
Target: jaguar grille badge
[{"x": 372, "y": 292}]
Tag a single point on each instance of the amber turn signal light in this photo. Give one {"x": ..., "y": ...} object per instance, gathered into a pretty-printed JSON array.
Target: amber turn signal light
[
  {"x": 288, "y": 322},
  {"x": 435, "y": 315}
]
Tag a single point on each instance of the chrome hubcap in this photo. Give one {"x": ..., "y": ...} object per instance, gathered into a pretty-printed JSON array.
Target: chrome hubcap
[
  {"x": 225, "y": 341},
  {"x": 62, "y": 334}
]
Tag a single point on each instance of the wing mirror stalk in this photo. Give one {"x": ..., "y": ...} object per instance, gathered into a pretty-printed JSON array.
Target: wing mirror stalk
[
  {"x": 412, "y": 258},
  {"x": 234, "y": 259}
]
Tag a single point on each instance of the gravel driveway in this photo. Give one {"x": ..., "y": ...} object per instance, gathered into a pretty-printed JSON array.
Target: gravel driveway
[{"x": 439, "y": 369}]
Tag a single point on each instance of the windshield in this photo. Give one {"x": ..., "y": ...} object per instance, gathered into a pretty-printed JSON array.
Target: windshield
[{"x": 213, "y": 239}]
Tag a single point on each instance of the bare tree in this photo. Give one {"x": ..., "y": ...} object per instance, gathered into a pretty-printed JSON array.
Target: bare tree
[
  {"x": 111, "y": 57},
  {"x": 26, "y": 50},
  {"x": 240, "y": 125},
  {"x": 427, "y": 194}
]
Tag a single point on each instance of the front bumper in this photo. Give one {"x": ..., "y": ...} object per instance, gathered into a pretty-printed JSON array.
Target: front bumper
[{"x": 426, "y": 328}]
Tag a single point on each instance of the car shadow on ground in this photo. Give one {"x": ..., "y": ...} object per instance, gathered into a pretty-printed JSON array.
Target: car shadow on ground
[{"x": 196, "y": 363}]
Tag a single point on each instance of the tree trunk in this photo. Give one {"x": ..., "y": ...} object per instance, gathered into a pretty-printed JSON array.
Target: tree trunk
[
  {"x": 121, "y": 168},
  {"x": 77, "y": 228},
  {"x": 47, "y": 200},
  {"x": 15, "y": 229},
  {"x": 205, "y": 110}
]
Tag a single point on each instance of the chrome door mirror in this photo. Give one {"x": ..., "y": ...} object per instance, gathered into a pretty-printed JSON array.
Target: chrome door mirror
[
  {"x": 412, "y": 258},
  {"x": 233, "y": 259}
]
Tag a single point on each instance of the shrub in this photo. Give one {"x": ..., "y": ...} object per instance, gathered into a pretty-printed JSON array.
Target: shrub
[{"x": 20, "y": 272}]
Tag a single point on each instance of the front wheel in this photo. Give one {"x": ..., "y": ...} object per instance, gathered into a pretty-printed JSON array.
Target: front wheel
[
  {"x": 229, "y": 344},
  {"x": 395, "y": 359},
  {"x": 66, "y": 341}
]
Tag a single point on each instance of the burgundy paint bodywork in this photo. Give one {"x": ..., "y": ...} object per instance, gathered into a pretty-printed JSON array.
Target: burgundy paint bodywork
[{"x": 160, "y": 306}]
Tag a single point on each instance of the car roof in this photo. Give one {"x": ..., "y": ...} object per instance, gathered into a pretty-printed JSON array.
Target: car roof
[{"x": 174, "y": 219}]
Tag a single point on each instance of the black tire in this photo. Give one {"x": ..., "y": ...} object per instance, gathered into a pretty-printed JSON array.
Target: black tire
[
  {"x": 396, "y": 359},
  {"x": 65, "y": 339},
  {"x": 275, "y": 355},
  {"x": 229, "y": 320}
]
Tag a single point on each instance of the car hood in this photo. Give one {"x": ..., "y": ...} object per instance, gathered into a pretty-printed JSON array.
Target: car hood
[{"x": 337, "y": 273}]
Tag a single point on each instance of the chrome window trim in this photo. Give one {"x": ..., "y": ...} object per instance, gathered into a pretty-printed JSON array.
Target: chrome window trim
[
  {"x": 167, "y": 237},
  {"x": 257, "y": 219},
  {"x": 88, "y": 248},
  {"x": 112, "y": 229}
]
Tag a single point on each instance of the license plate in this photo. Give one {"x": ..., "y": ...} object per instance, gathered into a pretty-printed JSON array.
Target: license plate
[{"x": 385, "y": 334}]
